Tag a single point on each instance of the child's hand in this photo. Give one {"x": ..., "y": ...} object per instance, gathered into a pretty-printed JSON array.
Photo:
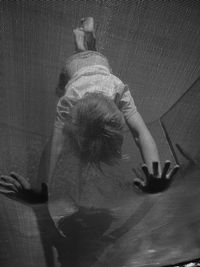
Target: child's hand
[
  {"x": 17, "y": 187},
  {"x": 155, "y": 183}
]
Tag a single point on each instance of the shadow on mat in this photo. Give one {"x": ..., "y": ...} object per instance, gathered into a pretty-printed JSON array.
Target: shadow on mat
[{"x": 84, "y": 237}]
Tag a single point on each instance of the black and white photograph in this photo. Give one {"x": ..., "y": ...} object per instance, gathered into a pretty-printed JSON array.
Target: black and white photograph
[{"x": 99, "y": 133}]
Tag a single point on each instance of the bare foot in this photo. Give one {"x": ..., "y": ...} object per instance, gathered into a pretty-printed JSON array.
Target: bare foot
[
  {"x": 79, "y": 39},
  {"x": 88, "y": 24}
]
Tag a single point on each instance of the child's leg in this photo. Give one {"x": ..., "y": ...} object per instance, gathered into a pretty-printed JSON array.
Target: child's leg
[
  {"x": 79, "y": 36},
  {"x": 87, "y": 25},
  {"x": 84, "y": 39},
  {"x": 90, "y": 42},
  {"x": 84, "y": 36},
  {"x": 64, "y": 76}
]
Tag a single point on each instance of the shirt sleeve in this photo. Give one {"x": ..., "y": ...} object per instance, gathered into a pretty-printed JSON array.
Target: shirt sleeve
[
  {"x": 63, "y": 111},
  {"x": 126, "y": 103}
]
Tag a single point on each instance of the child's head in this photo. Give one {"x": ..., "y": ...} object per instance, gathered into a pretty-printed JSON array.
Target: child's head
[{"x": 97, "y": 129}]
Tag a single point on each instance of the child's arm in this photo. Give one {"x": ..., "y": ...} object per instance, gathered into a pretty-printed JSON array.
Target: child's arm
[
  {"x": 156, "y": 180},
  {"x": 58, "y": 137},
  {"x": 144, "y": 141},
  {"x": 56, "y": 149}
]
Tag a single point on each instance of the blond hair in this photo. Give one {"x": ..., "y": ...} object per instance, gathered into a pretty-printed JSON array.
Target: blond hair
[{"x": 96, "y": 130}]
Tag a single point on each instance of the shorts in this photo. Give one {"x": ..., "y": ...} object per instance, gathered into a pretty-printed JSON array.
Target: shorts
[{"x": 84, "y": 59}]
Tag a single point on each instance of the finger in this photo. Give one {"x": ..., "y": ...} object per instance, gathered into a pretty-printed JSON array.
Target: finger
[
  {"x": 6, "y": 191},
  {"x": 9, "y": 186},
  {"x": 139, "y": 183},
  {"x": 155, "y": 168},
  {"x": 25, "y": 184},
  {"x": 11, "y": 180},
  {"x": 173, "y": 172},
  {"x": 145, "y": 170},
  {"x": 165, "y": 169}
]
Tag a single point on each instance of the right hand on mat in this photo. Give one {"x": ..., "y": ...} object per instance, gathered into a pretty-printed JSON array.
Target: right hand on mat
[
  {"x": 17, "y": 187},
  {"x": 153, "y": 182}
]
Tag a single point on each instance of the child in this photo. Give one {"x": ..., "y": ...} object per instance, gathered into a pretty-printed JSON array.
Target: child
[
  {"x": 92, "y": 112},
  {"x": 94, "y": 108}
]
